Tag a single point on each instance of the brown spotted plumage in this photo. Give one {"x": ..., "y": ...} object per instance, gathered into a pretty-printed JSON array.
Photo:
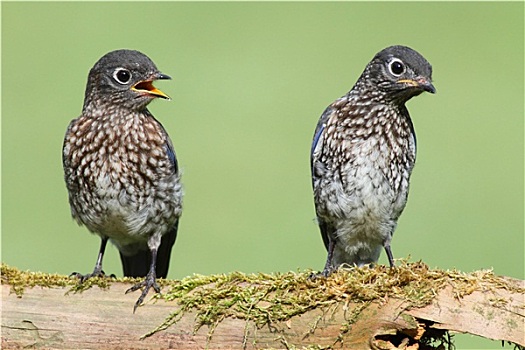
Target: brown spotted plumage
[
  {"x": 362, "y": 155},
  {"x": 120, "y": 168}
]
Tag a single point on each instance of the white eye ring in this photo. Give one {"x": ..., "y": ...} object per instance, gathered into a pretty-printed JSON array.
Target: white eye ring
[
  {"x": 122, "y": 75},
  {"x": 396, "y": 67}
]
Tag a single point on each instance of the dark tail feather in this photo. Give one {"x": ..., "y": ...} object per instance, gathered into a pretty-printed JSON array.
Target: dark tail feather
[
  {"x": 164, "y": 252},
  {"x": 137, "y": 265},
  {"x": 326, "y": 231}
]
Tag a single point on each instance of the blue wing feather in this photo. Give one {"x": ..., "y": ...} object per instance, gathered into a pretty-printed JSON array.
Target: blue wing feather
[
  {"x": 319, "y": 129},
  {"x": 326, "y": 230},
  {"x": 318, "y": 133},
  {"x": 171, "y": 156}
]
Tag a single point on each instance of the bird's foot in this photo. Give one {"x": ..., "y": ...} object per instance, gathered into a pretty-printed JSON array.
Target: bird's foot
[
  {"x": 149, "y": 282},
  {"x": 315, "y": 275},
  {"x": 96, "y": 273},
  {"x": 323, "y": 274}
]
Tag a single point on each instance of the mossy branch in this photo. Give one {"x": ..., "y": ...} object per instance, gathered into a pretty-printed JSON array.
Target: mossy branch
[{"x": 410, "y": 307}]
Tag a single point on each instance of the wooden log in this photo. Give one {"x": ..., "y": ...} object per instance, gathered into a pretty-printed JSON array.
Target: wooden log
[{"x": 103, "y": 318}]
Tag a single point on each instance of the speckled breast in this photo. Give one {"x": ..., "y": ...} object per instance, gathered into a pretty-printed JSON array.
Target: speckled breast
[{"x": 121, "y": 180}]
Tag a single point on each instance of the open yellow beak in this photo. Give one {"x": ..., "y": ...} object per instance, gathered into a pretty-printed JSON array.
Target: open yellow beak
[{"x": 146, "y": 87}]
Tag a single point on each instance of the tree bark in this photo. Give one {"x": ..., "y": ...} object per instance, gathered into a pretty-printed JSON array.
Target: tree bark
[{"x": 97, "y": 318}]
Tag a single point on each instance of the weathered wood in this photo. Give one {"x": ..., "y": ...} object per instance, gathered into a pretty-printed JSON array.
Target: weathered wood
[
  {"x": 104, "y": 319},
  {"x": 497, "y": 314}
]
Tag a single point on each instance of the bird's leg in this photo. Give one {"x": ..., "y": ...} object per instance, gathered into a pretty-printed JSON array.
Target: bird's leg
[
  {"x": 150, "y": 279},
  {"x": 389, "y": 254},
  {"x": 329, "y": 267},
  {"x": 97, "y": 271}
]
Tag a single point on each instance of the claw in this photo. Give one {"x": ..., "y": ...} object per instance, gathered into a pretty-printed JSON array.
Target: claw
[
  {"x": 148, "y": 283},
  {"x": 95, "y": 273},
  {"x": 323, "y": 274}
]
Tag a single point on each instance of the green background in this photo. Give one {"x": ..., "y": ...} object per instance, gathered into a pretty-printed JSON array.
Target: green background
[{"x": 250, "y": 82}]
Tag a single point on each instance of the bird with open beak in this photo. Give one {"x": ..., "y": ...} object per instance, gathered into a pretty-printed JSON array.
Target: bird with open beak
[{"x": 121, "y": 171}]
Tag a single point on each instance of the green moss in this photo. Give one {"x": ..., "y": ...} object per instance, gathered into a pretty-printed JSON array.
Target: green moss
[
  {"x": 271, "y": 298},
  {"x": 266, "y": 298},
  {"x": 410, "y": 320},
  {"x": 20, "y": 280}
]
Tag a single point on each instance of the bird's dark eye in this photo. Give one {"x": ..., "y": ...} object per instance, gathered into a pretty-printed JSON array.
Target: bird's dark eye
[
  {"x": 122, "y": 75},
  {"x": 396, "y": 67}
]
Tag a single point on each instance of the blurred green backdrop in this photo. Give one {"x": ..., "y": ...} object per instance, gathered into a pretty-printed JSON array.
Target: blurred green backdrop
[{"x": 250, "y": 81}]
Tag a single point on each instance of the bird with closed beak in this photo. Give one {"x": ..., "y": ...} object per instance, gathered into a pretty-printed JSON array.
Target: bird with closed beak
[
  {"x": 121, "y": 171},
  {"x": 362, "y": 156}
]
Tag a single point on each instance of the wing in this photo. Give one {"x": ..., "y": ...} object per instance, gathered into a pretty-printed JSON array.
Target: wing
[
  {"x": 404, "y": 112},
  {"x": 67, "y": 149},
  {"x": 315, "y": 151},
  {"x": 318, "y": 138},
  {"x": 170, "y": 151},
  {"x": 137, "y": 265},
  {"x": 171, "y": 155}
]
